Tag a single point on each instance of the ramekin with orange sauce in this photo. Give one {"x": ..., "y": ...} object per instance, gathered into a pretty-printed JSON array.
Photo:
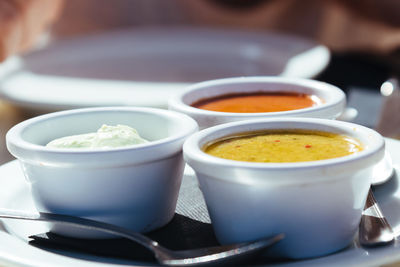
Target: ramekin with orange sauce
[{"x": 233, "y": 99}]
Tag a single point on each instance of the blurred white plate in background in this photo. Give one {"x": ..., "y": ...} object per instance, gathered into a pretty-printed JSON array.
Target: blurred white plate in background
[{"x": 143, "y": 67}]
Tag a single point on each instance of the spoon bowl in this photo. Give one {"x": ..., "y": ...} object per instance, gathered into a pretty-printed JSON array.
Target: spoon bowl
[{"x": 374, "y": 229}]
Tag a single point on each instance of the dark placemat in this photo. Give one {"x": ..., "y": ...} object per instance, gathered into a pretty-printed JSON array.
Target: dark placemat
[
  {"x": 189, "y": 228},
  {"x": 181, "y": 233}
]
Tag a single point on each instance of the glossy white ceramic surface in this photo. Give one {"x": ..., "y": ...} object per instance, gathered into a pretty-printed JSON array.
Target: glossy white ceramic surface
[
  {"x": 334, "y": 100},
  {"x": 317, "y": 204},
  {"x": 134, "y": 187}
]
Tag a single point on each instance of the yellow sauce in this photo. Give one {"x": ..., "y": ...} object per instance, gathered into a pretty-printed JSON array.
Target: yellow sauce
[{"x": 284, "y": 146}]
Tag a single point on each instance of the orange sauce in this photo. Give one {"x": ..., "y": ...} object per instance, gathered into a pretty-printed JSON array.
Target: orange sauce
[{"x": 257, "y": 102}]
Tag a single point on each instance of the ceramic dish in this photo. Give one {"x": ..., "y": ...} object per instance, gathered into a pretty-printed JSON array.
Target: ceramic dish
[
  {"x": 145, "y": 66},
  {"x": 133, "y": 186},
  {"x": 317, "y": 204},
  {"x": 333, "y": 99}
]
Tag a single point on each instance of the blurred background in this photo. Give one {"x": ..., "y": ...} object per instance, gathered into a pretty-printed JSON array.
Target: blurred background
[
  {"x": 65, "y": 54},
  {"x": 62, "y": 54}
]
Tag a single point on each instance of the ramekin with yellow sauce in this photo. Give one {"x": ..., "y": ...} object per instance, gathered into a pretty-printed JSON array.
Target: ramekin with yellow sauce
[{"x": 316, "y": 202}]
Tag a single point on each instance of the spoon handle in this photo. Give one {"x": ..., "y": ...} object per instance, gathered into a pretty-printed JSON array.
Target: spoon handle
[
  {"x": 374, "y": 228},
  {"x": 81, "y": 223}
]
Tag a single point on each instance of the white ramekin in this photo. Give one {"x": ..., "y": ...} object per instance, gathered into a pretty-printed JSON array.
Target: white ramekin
[
  {"x": 135, "y": 187},
  {"x": 334, "y": 100},
  {"x": 316, "y": 204}
]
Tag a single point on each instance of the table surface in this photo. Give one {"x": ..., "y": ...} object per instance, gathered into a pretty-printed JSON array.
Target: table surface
[{"x": 9, "y": 116}]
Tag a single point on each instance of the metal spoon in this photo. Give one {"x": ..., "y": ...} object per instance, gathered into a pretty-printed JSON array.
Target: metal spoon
[
  {"x": 193, "y": 257},
  {"x": 374, "y": 229}
]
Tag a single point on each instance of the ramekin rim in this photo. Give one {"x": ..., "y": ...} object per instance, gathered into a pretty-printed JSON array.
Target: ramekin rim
[
  {"x": 195, "y": 153},
  {"x": 14, "y": 137},
  {"x": 177, "y": 100}
]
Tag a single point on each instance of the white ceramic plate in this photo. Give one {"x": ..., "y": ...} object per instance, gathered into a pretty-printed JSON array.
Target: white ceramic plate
[
  {"x": 14, "y": 250},
  {"x": 143, "y": 67}
]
